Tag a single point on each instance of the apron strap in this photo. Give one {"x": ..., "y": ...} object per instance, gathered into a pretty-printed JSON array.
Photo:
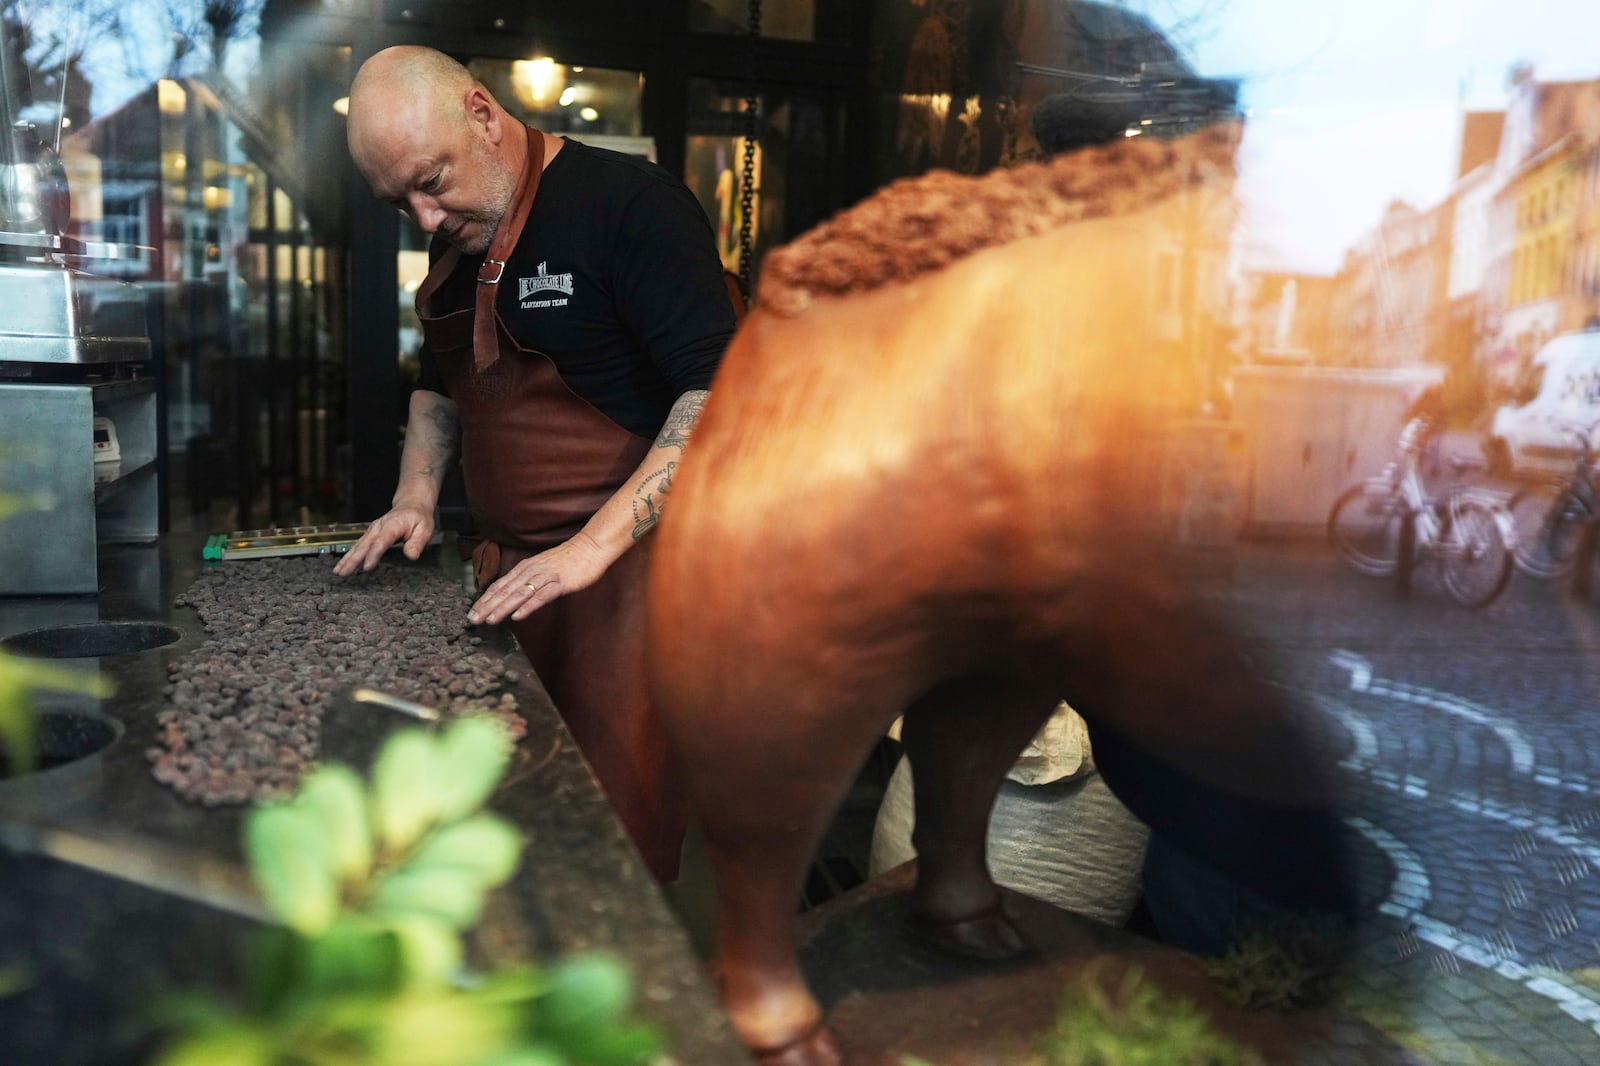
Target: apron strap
[
  {"x": 436, "y": 277},
  {"x": 485, "y": 341}
]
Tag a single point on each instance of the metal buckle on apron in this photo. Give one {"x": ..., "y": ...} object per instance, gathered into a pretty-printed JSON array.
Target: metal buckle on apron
[{"x": 499, "y": 269}]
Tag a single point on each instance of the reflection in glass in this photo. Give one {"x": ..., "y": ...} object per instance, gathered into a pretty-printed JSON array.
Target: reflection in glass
[
  {"x": 559, "y": 98},
  {"x": 1413, "y": 211},
  {"x": 183, "y": 144},
  {"x": 593, "y": 104},
  {"x": 1411, "y": 232},
  {"x": 796, "y": 162},
  {"x": 828, "y": 21}
]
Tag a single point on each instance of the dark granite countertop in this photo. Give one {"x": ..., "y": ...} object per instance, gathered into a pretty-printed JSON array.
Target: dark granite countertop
[{"x": 112, "y": 885}]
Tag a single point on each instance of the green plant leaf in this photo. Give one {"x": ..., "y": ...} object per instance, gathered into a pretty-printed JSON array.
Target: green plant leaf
[
  {"x": 35, "y": 675},
  {"x": 430, "y": 950},
  {"x": 587, "y": 992},
  {"x": 232, "y": 1046},
  {"x": 473, "y": 754},
  {"x": 406, "y": 786},
  {"x": 377, "y": 986},
  {"x": 336, "y": 794},
  {"x": 615, "y": 1044},
  {"x": 190, "y": 1012},
  {"x": 441, "y": 1029},
  {"x": 351, "y": 955},
  {"x": 485, "y": 845},
  {"x": 291, "y": 859},
  {"x": 520, "y": 984},
  {"x": 349, "y": 1021},
  {"x": 447, "y": 894},
  {"x": 274, "y": 968},
  {"x": 19, "y": 733},
  {"x": 20, "y": 676},
  {"x": 525, "y": 1056},
  {"x": 1135, "y": 1022}
]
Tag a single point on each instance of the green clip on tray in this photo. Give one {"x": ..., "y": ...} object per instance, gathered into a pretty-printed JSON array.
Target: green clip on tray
[{"x": 333, "y": 539}]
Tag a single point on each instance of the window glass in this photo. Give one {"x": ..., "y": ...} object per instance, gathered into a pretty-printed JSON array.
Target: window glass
[
  {"x": 826, "y": 21},
  {"x": 596, "y": 105},
  {"x": 1401, "y": 225},
  {"x": 565, "y": 98},
  {"x": 794, "y": 158},
  {"x": 189, "y": 153},
  {"x": 1442, "y": 202}
]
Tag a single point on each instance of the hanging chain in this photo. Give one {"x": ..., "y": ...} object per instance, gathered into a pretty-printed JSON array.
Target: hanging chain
[{"x": 752, "y": 128}]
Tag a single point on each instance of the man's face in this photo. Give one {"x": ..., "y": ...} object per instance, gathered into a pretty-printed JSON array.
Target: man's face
[{"x": 444, "y": 174}]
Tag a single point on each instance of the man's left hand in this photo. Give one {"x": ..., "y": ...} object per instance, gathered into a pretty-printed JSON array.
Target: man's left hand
[{"x": 539, "y": 579}]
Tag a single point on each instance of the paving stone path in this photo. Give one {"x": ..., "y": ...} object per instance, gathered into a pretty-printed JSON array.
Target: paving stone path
[{"x": 1471, "y": 741}]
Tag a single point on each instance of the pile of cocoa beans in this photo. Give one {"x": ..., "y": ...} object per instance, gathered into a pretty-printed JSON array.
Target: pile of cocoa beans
[{"x": 243, "y": 712}]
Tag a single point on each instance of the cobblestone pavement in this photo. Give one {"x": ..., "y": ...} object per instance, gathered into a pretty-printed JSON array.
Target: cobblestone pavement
[{"x": 1472, "y": 744}]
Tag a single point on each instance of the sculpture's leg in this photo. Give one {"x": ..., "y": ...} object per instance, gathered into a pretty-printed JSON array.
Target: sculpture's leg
[
  {"x": 767, "y": 768},
  {"x": 961, "y": 738},
  {"x": 1202, "y": 749}
]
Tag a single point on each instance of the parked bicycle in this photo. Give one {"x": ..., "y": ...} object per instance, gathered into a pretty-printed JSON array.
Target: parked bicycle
[
  {"x": 1551, "y": 516},
  {"x": 1388, "y": 523}
]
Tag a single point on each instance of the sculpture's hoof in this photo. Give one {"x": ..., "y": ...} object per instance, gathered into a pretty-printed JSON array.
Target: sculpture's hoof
[
  {"x": 816, "y": 1048},
  {"x": 987, "y": 935}
]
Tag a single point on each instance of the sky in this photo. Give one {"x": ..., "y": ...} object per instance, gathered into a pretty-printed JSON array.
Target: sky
[
  {"x": 119, "y": 67},
  {"x": 1355, "y": 103},
  {"x": 1352, "y": 103}
]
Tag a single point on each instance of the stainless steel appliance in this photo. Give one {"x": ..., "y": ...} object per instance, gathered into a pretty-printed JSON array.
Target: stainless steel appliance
[{"x": 73, "y": 347}]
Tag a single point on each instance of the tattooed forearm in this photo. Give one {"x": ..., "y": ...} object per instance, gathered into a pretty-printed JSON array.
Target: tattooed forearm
[
  {"x": 681, "y": 419},
  {"x": 650, "y": 490},
  {"x": 440, "y": 449},
  {"x": 446, "y": 419},
  {"x": 433, "y": 431},
  {"x": 649, "y": 497}
]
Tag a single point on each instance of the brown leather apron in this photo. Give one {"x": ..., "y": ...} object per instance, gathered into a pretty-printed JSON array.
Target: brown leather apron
[{"x": 538, "y": 462}]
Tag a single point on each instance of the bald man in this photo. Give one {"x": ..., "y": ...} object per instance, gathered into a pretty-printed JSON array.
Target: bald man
[{"x": 574, "y": 315}]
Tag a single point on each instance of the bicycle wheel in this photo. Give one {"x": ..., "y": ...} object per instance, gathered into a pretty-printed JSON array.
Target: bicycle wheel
[
  {"x": 1365, "y": 527},
  {"x": 1548, "y": 521},
  {"x": 1474, "y": 556}
]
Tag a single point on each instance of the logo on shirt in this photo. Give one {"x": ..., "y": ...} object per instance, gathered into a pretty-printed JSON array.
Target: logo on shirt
[{"x": 541, "y": 282}]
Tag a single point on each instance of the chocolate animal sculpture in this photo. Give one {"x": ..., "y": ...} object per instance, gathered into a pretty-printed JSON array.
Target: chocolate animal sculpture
[{"x": 926, "y": 483}]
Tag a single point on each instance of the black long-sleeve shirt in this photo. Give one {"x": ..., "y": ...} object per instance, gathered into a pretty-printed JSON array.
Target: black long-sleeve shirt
[{"x": 616, "y": 279}]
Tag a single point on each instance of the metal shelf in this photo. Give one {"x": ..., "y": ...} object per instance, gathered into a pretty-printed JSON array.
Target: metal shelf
[
  {"x": 110, "y": 487},
  {"x": 71, "y": 246}
]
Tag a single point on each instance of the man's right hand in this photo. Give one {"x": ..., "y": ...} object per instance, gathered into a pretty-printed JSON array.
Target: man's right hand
[
  {"x": 413, "y": 525},
  {"x": 432, "y": 429}
]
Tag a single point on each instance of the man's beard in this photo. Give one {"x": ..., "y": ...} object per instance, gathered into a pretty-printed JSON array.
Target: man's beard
[{"x": 501, "y": 186}]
